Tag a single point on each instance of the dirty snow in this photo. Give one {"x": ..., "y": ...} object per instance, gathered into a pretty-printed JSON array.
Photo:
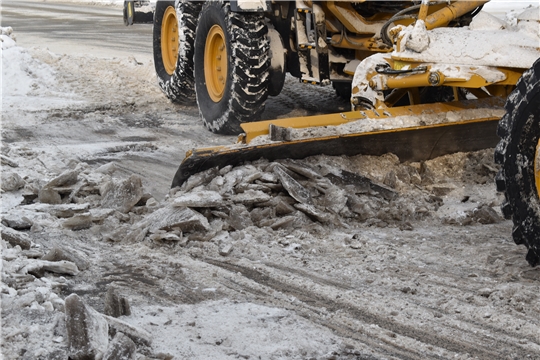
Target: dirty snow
[{"x": 410, "y": 260}]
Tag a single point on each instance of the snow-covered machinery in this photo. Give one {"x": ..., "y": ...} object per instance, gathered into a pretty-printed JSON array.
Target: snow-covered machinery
[{"x": 425, "y": 78}]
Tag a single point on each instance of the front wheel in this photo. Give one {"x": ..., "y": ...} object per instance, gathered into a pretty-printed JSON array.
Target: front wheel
[
  {"x": 519, "y": 154},
  {"x": 231, "y": 67}
]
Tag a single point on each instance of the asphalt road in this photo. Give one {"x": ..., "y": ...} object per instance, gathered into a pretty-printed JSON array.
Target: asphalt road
[{"x": 71, "y": 28}]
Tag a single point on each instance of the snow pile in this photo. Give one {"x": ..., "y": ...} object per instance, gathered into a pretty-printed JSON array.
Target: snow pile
[
  {"x": 81, "y": 202},
  {"x": 512, "y": 16},
  {"x": 58, "y": 235},
  {"x": 528, "y": 22},
  {"x": 26, "y": 80},
  {"x": 22, "y": 74},
  {"x": 416, "y": 37},
  {"x": 288, "y": 195},
  {"x": 7, "y": 37}
]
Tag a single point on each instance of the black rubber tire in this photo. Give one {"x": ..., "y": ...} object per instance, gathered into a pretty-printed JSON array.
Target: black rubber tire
[
  {"x": 180, "y": 86},
  {"x": 343, "y": 90},
  {"x": 519, "y": 130},
  {"x": 246, "y": 87}
]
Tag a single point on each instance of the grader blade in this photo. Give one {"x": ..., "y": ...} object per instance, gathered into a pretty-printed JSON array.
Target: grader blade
[{"x": 459, "y": 126}]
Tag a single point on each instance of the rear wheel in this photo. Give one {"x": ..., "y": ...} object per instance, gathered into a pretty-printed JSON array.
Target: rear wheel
[
  {"x": 231, "y": 67},
  {"x": 519, "y": 154},
  {"x": 173, "y": 37}
]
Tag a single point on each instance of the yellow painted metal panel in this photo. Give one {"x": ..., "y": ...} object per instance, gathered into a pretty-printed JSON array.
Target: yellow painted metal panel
[{"x": 255, "y": 129}]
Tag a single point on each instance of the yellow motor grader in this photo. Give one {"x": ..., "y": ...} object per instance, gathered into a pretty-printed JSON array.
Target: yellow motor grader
[{"x": 424, "y": 78}]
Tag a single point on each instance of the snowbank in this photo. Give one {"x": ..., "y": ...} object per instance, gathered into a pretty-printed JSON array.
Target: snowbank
[
  {"x": 28, "y": 83},
  {"x": 20, "y": 72}
]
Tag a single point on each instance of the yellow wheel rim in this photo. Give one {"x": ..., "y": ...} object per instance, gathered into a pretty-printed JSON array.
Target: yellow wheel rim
[
  {"x": 537, "y": 169},
  {"x": 169, "y": 40},
  {"x": 215, "y": 63}
]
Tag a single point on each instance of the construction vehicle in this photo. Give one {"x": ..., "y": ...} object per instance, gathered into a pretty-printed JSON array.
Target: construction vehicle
[{"x": 421, "y": 63}]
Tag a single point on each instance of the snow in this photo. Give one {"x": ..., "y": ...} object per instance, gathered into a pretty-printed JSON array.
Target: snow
[
  {"x": 416, "y": 38},
  {"x": 487, "y": 42},
  {"x": 360, "y": 84},
  {"x": 197, "y": 309},
  {"x": 32, "y": 82},
  {"x": 220, "y": 329},
  {"x": 508, "y": 10},
  {"x": 487, "y": 21},
  {"x": 458, "y": 53}
]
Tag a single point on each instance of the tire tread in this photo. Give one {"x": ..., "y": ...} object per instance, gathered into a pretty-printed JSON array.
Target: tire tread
[
  {"x": 520, "y": 134},
  {"x": 250, "y": 68}
]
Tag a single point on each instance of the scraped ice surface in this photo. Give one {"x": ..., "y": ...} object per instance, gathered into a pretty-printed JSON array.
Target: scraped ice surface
[{"x": 212, "y": 329}]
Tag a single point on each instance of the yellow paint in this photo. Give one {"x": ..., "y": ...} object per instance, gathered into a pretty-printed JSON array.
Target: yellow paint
[
  {"x": 223, "y": 149},
  {"x": 352, "y": 17},
  {"x": 451, "y": 12},
  {"x": 254, "y": 129},
  {"x": 475, "y": 81},
  {"x": 216, "y": 66},
  {"x": 422, "y": 14},
  {"x": 169, "y": 40},
  {"x": 361, "y": 43},
  {"x": 398, "y": 64},
  {"x": 410, "y": 81}
]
